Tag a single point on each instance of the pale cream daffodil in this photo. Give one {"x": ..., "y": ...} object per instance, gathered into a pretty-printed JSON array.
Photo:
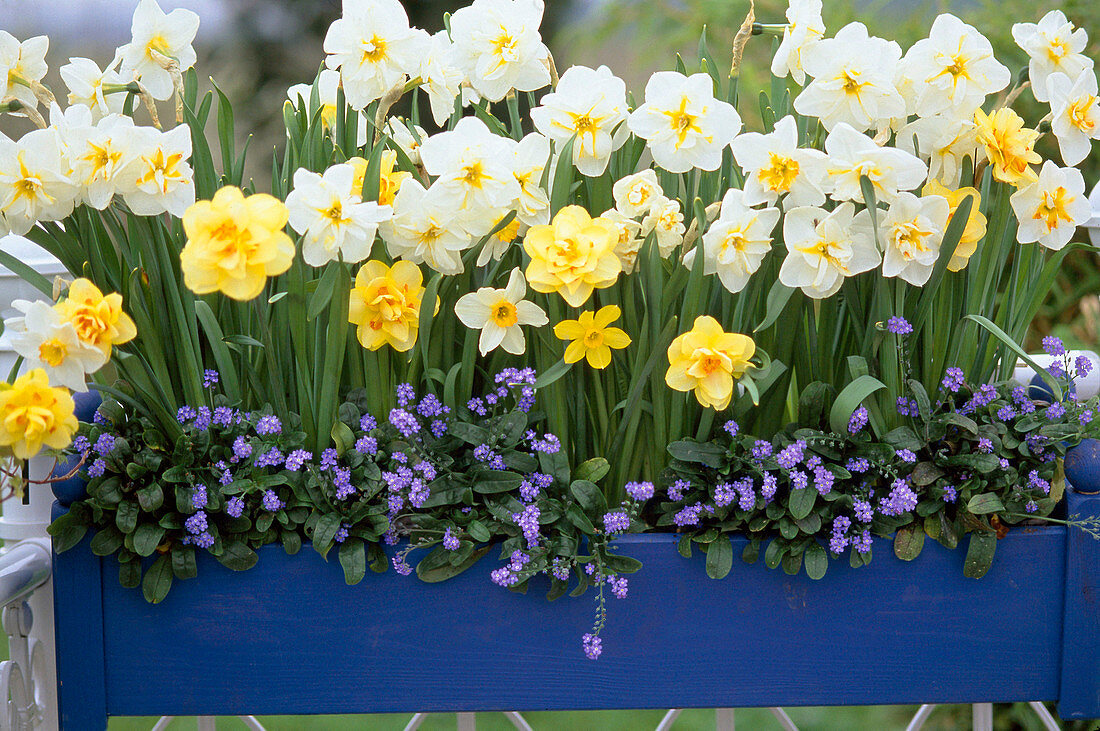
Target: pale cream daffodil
[
  {"x": 823, "y": 249},
  {"x": 1050, "y": 209},
  {"x": 953, "y": 69},
  {"x": 775, "y": 166},
  {"x": 683, "y": 124},
  {"x": 424, "y": 229},
  {"x": 475, "y": 172},
  {"x": 102, "y": 158},
  {"x": 374, "y": 49},
  {"x": 498, "y": 47},
  {"x": 666, "y": 222},
  {"x": 47, "y": 340},
  {"x": 532, "y": 205},
  {"x": 636, "y": 194},
  {"x": 804, "y": 28},
  {"x": 85, "y": 81},
  {"x": 853, "y": 155},
  {"x": 156, "y": 33},
  {"x": 22, "y": 65},
  {"x": 334, "y": 222},
  {"x": 911, "y": 232},
  {"x": 736, "y": 243},
  {"x": 1053, "y": 45},
  {"x": 34, "y": 181},
  {"x": 588, "y": 106},
  {"x": 441, "y": 77},
  {"x": 853, "y": 80},
  {"x": 1075, "y": 114},
  {"x": 162, "y": 180},
  {"x": 944, "y": 141},
  {"x": 500, "y": 315},
  {"x": 630, "y": 240}
]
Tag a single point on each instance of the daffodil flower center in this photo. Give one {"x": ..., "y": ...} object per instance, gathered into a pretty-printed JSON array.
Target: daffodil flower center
[
  {"x": 158, "y": 44},
  {"x": 431, "y": 234},
  {"x": 374, "y": 50},
  {"x": 335, "y": 214},
  {"x": 683, "y": 122},
  {"x": 52, "y": 352},
  {"x": 593, "y": 338},
  {"x": 390, "y": 304},
  {"x": 474, "y": 174},
  {"x": 909, "y": 238},
  {"x": 832, "y": 252},
  {"x": 779, "y": 174},
  {"x": 584, "y": 124},
  {"x": 851, "y": 83},
  {"x": 509, "y": 233},
  {"x": 1053, "y": 208},
  {"x": 504, "y": 314},
  {"x": 89, "y": 325},
  {"x": 1058, "y": 49},
  {"x": 1079, "y": 113},
  {"x": 638, "y": 195}
]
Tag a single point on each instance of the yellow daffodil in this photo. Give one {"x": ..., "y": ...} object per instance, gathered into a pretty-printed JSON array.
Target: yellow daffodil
[
  {"x": 33, "y": 414},
  {"x": 98, "y": 320},
  {"x": 389, "y": 180},
  {"x": 975, "y": 224},
  {"x": 573, "y": 255},
  {"x": 1008, "y": 145},
  {"x": 591, "y": 336},
  {"x": 707, "y": 360},
  {"x": 385, "y": 304},
  {"x": 234, "y": 243}
]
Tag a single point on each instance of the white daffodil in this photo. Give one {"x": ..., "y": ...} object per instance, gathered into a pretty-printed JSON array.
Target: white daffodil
[
  {"x": 103, "y": 157},
  {"x": 775, "y": 166},
  {"x": 1053, "y": 45},
  {"x": 424, "y": 229},
  {"x": 474, "y": 169},
  {"x": 498, "y": 47},
  {"x": 804, "y": 28},
  {"x": 630, "y": 239},
  {"x": 442, "y": 78},
  {"x": 943, "y": 141},
  {"x": 334, "y": 222},
  {"x": 588, "y": 106},
  {"x": 853, "y": 80},
  {"x": 374, "y": 49},
  {"x": 954, "y": 68},
  {"x": 21, "y": 66},
  {"x": 162, "y": 179},
  {"x": 666, "y": 222},
  {"x": 635, "y": 194},
  {"x": 736, "y": 243},
  {"x": 532, "y": 154},
  {"x": 853, "y": 155},
  {"x": 684, "y": 125},
  {"x": 1050, "y": 209},
  {"x": 46, "y": 340},
  {"x": 911, "y": 233},
  {"x": 499, "y": 243},
  {"x": 34, "y": 182},
  {"x": 85, "y": 82},
  {"x": 328, "y": 82},
  {"x": 154, "y": 32},
  {"x": 499, "y": 314},
  {"x": 823, "y": 248},
  {"x": 407, "y": 136},
  {"x": 1075, "y": 114}
]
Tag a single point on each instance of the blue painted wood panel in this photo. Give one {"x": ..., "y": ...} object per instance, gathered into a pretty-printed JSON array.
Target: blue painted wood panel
[{"x": 290, "y": 637}]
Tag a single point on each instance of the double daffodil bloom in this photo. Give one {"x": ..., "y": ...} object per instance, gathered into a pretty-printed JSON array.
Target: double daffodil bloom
[
  {"x": 573, "y": 255},
  {"x": 975, "y": 223},
  {"x": 707, "y": 360},
  {"x": 824, "y": 248},
  {"x": 1054, "y": 45},
  {"x": 1075, "y": 114},
  {"x": 587, "y": 107},
  {"x": 1009, "y": 145},
  {"x": 591, "y": 336},
  {"x": 385, "y": 305},
  {"x": 157, "y": 33},
  {"x": 33, "y": 414}
]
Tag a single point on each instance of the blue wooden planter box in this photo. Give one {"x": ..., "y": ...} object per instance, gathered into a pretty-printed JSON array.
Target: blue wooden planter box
[{"x": 290, "y": 637}]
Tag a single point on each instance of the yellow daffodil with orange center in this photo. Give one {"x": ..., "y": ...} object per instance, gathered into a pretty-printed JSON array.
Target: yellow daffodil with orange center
[
  {"x": 591, "y": 336},
  {"x": 33, "y": 414},
  {"x": 1008, "y": 145},
  {"x": 98, "y": 320},
  {"x": 385, "y": 304},
  {"x": 707, "y": 360},
  {"x": 975, "y": 224},
  {"x": 234, "y": 243},
  {"x": 572, "y": 255}
]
